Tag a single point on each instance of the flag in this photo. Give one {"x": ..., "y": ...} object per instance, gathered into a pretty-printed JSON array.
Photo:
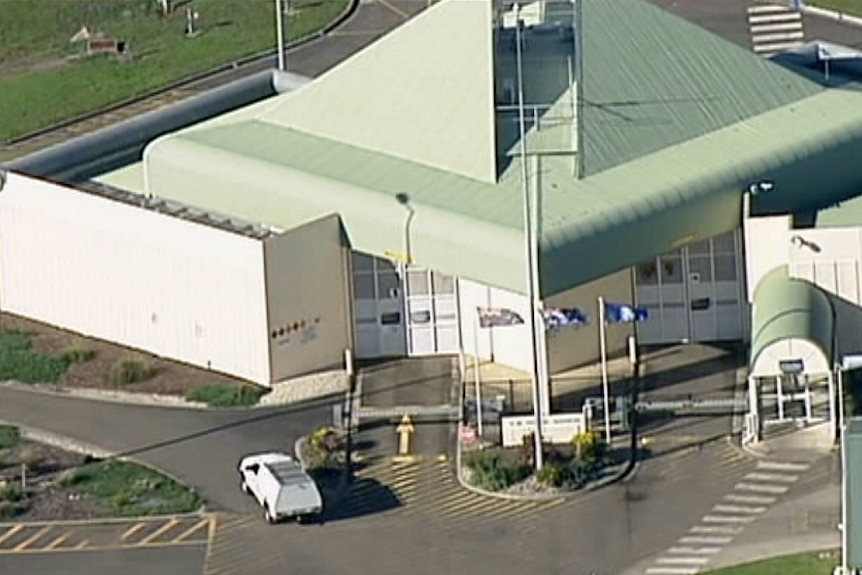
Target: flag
[
  {"x": 624, "y": 313},
  {"x": 498, "y": 317},
  {"x": 556, "y": 317}
]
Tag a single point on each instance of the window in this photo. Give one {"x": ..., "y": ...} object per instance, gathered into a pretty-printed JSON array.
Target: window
[
  {"x": 725, "y": 268},
  {"x": 417, "y": 282},
  {"x": 362, "y": 262},
  {"x": 700, "y": 248},
  {"x": 388, "y": 285},
  {"x": 647, "y": 274},
  {"x": 443, "y": 284},
  {"x": 700, "y": 269},
  {"x": 670, "y": 269},
  {"x": 363, "y": 286},
  {"x": 724, "y": 244}
]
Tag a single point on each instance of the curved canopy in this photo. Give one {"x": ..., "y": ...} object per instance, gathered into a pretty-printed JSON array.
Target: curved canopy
[{"x": 792, "y": 320}]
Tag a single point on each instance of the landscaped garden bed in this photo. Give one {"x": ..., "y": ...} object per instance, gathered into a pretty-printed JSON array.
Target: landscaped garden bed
[
  {"x": 512, "y": 470},
  {"x": 42, "y": 482}
]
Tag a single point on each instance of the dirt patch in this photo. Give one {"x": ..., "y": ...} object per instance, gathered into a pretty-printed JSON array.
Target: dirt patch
[
  {"x": 168, "y": 377},
  {"x": 32, "y": 63}
]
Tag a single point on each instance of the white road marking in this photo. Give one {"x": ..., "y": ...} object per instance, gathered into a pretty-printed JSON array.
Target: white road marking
[
  {"x": 782, "y": 466},
  {"x": 765, "y": 8},
  {"x": 693, "y": 550},
  {"x": 705, "y": 540},
  {"x": 757, "y": 499},
  {"x": 774, "y": 477},
  {"x": 726, "y": 519},
  {"x": 758, "y": 488},
  {"x": 672, "y": 570},
  {"x": 738, "y": 509},
  {"x": 727, "y": 529},
  {"x": 683, "y": 560}
]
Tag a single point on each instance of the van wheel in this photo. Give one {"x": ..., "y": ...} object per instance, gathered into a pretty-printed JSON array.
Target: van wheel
[{"x": 269, "y": 517}]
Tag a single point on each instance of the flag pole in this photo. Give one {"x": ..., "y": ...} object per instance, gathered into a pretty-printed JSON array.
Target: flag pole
[
  {"x": 604, "y": 359},
  {"x": 477, "y": 379}
]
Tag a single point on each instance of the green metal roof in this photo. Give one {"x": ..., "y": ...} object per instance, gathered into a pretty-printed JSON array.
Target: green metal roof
[
  {"x": 786, "y": 308},
  {"x": 652, "y": 80}
]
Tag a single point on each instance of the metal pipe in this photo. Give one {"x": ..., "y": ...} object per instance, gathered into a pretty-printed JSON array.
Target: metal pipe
[
  {"x": 279, "y": 34},
  {"x": 528, "y": 242}
]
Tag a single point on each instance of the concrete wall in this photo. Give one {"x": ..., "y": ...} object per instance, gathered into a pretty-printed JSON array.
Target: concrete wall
[
  {"x": 766, "y": 248},
  {"x": 570, "y": 347},
  {"x": 307, "y": 294},
  {"x": 125, "y": 274}
]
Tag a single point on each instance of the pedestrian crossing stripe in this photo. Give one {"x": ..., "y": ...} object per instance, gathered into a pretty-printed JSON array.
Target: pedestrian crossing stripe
[{"x": 725, "y": 460}]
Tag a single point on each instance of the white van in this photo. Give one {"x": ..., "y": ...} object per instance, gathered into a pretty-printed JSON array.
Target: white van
[{"x": 281, "y": 487}]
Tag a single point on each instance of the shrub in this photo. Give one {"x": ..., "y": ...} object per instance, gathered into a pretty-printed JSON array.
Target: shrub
[
  {"x": 19, "y": 362},
  {"x": 551, "y": 475},
  {"x": 77, "y": 353},
  {"x": 324, "y": 448},
  {"x": 10, "y": 436},
  {"x": 10, "y": 509},
  {"x": 224, "y": 395},
  {"x": 492, "y": 472},
  {"x": 31, "y": 458},
  {"x": 589, "y": 447},
  {"x": 11, "y": 493},
  {"x": 128, "y": 371}
]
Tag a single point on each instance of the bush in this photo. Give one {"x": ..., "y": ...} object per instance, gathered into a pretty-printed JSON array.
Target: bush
[
  {"x": 31, "y": 458},
  {"x": 10, "y": 509},
  {"x": 10, "y": 436},
  {"x": 224, "y": 395},
  {"x": 19, "y": 362},
  {"x": 492, "y": 472},
  {"x": 77, "y": 353},
  {"x": 324, "y": 449},
  {"x": 551, "y": 475},
  {"x": 11, "y": 493},
  {"x": 589, "y": 447},
  {"x": 128, "y": 371}
]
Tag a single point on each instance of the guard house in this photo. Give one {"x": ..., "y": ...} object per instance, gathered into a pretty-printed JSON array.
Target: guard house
[{"x": 790, "y": 371}]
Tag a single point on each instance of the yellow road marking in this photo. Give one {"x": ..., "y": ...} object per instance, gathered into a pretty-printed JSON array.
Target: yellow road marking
[
  {"x": 82, "y": 545},
  {"x": 32, "y": 539},
  {"x": 395, "y": 9},
  {"x": 193, "y": 528},
  {"x": 132, "y": 530},
  {"x": 57, "y": 542},
  {"x": 12, "y": 531},
  {"x": 160, "y": 531}
]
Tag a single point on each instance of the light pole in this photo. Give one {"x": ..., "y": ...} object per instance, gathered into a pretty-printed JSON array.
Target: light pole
[
  {"x": 404, "y": 200},
  {"x": 279, "y": 32},
  {"x": 529, "y": 241}
]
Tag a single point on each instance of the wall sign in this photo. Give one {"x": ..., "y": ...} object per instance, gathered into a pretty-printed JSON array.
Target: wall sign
[{"x": 298, "y": 332}]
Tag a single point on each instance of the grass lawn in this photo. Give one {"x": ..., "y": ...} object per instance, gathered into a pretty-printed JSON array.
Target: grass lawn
[
  {"x": 799, "y": 564},
  {"x": 222, "y": 395},
  {"x": 19, "y": 362},
  {"x": 848, "y": 6},
  {"x": 130, "y": 489},
  {"x": 41, "y": 84}
]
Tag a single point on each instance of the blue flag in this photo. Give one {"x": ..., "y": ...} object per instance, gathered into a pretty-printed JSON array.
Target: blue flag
[
  {"x": 624, "y": 313},
  {"x": 556, "y": 317},
  {"x": 498, "y": 317}
]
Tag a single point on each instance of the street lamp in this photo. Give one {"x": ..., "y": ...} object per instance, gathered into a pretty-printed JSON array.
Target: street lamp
[
  {"x": 279, "y": 32},
  {"x": 529, "y": 241},
  {"x": 404, "y": 200}
]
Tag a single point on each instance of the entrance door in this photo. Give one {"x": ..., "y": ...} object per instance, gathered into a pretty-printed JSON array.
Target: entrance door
[
  {"x": 378, "y": 308},
  {"x": 432, "y": 312},
  {"x": 694, "y": 293}
]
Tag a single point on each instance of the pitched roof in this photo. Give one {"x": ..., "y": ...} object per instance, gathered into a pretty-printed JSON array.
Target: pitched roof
[
  {"x": 653, "y": 80},
  {"x": 424, "y": 92}
]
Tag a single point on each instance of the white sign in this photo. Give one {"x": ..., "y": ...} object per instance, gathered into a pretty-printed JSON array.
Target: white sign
[{"x": 555, "y": 428}]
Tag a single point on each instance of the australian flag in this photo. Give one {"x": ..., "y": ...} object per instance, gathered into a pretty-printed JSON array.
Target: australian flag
[
  {"x": 556, "y": 317},
  {"x": 498, "y": 317},
  {"x": 624, "y": 313}
]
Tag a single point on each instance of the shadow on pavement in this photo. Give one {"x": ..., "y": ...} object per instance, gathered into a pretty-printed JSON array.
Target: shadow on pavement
[{"x": 365, "y": 496}]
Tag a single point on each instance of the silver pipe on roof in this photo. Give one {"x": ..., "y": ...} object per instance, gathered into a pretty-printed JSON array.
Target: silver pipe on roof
[{"x": 112, "y": 147}]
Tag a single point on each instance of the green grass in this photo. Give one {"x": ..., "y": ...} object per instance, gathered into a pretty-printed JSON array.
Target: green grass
[
  {"x": 19, "y": 362},
  {"x": 799, "y": 564},
  {"x": 847, "y": 6},
  {"x": 40, "y": 85},
  {"x": 10, "y": 436},
  {"x": 222, "y": 395},
  {"x": 129, "y": 489}
]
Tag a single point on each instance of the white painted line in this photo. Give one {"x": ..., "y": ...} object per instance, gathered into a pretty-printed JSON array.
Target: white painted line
[
  {"x": 779, "y": 37},
  {"x": 756, "y": 499},
  {"x": 776, "y": 27},
  {"x": 738, "y": 509},
  {"x": 683, "y": 560},
  {"x": 726, "y": 519},
  {"x": 764, "y": 8},
  {"x": 672, "y": 570},
  {"x": 774, "y": 477},
  {"x": 789, "y": 17},
  {"x": 782, "y": 466},
  {"x": 705, "y": 540},
  {"x": 693, "y": 550},
  {"x": 759, "y": 488},
  {"x": 727, "y": 529}
]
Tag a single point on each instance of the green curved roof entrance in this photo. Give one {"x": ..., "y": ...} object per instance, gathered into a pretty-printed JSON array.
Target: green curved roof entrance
[{"x": 788, "y": 308}]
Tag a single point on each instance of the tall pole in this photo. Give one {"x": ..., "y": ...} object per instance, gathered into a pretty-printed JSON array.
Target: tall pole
[
  {"x": 477, "y": 379},
  {"x": 528, "y": 242},
  {"x": 279, "y": 29},
  {"x": 604, "y": 353},
  {"x": 579, "y": 86}
]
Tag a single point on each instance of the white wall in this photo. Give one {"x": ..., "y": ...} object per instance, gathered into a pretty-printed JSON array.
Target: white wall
[
  {"x": 506, "y": 345},
  {"x": 150, "y": 281},
  {"x": 769, "y": 360},
  {"x": 766, "y": 248}
]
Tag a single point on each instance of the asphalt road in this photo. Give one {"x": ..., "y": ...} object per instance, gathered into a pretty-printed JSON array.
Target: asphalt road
[{"x": 151, "y": 561}]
